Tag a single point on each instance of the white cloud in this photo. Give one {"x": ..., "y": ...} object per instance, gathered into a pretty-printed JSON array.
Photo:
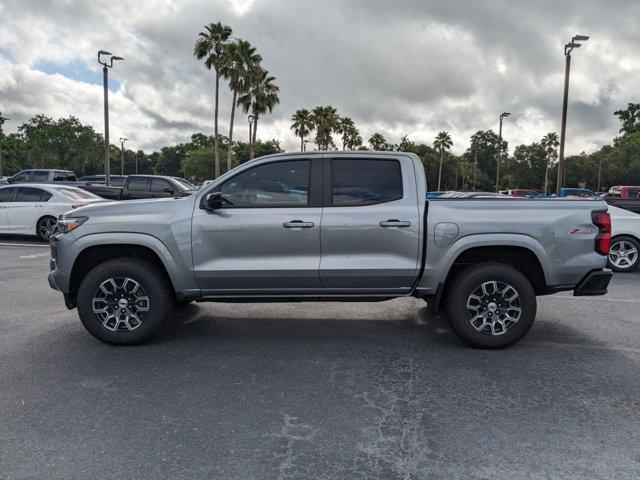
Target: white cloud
[{"x": 410, "y": 66}]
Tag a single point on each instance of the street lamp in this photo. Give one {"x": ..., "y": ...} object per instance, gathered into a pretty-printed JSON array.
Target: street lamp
[
  {"x": 122, "y": 140},
  {"x": 304, "y": 148},
  {"x": 2, "y": 120},
  {"x": 503, "y": 115},
  {"x": 568, "y": 48},
  {"x": 106, "y": 63}
]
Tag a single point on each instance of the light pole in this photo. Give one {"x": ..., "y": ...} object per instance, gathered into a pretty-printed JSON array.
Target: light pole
[
  {"x": 2, "y": 120},
  {"x": 251, "y": 118},
  {"x": 567, "y": 66},
  {"x": 475, "y": 168},
  {"x": 122, "y": 140},
  {"x": 106, "y": 65},
  {"x": 304, "y": 148},
  {"x": 503, "y": 115}
]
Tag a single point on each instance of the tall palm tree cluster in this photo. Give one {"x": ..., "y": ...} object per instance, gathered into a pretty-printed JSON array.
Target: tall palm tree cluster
[
  {"x": 252, "y": 87},
  {"x": 325, "y": 121}
]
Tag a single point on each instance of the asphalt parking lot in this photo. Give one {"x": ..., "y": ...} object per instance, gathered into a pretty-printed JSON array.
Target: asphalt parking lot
[{"x": 315, "y": 391}]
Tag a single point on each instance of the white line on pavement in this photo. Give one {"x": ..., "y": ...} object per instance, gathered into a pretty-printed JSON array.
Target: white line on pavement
[
  {"x": 587, "y": 298},
  {"x": 36, "y": 255},
  {"x": 23, "y": 245}
]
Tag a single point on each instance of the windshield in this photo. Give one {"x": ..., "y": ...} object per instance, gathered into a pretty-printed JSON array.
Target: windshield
[
  {"x": 76, "y": 193},
  {"x": 185, "y": 184}
]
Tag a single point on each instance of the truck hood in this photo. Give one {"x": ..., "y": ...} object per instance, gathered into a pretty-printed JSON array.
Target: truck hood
[{"x": 149, "y": 206}]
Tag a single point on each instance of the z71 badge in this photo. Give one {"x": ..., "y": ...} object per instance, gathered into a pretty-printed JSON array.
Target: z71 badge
[{"x": 583, "y": 230}]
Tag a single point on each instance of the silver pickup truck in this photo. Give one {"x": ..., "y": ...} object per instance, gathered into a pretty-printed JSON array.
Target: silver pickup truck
[{"x": 328, "y": 226}]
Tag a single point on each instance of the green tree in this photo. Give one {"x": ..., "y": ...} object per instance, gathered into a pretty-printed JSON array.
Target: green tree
[
  {"x": 442, "y": 143},
  {"x": 211, "y": 46},
  {"x": 353, "y": 138},
  {"x": 302, "y": 124},
  {"x": 484, "y": 144},
  {"x": 325, "y": 120},
  {"x": 260, "y": 97},
  {"x": 345, "y": 127},
  {"x": 630, "y": 118},
  {"x": 242, "y": 60},
  {"x": 378, "y": 142},
  {"x": 549, "y": 142}
]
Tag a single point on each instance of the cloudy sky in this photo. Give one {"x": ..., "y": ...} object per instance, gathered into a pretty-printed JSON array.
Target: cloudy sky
[{"x": 399, "y": 67}]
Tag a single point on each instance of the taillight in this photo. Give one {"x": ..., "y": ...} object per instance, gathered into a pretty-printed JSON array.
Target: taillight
[
  {"x": 78, "y": 205},
  {"x": 603, "y": 239}
]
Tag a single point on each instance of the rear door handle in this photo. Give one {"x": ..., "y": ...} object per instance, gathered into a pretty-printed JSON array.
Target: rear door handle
[
  {"x": 297, "y": 224},
  {"x": 395, "y": 223}
]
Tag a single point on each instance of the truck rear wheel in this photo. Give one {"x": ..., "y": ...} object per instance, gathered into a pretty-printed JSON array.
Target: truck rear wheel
[
  {"x": 124, "y": 301},
  {"x": 490, "y": 305}
]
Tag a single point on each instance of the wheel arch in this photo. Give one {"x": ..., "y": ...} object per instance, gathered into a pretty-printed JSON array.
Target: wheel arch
[{"x": 96, "y": 249}]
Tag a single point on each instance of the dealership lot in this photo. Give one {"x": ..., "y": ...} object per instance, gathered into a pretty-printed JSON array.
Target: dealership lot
[{"x": 331, "y": 391}]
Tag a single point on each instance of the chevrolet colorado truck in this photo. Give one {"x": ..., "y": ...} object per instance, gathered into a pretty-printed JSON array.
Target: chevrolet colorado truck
[{"x": 328, "y": 226}]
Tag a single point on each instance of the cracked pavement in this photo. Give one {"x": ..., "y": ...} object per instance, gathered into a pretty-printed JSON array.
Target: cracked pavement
[{"x": 343, "y": 390}]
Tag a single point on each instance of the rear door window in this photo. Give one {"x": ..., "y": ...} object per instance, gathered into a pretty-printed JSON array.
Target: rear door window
[
  {"x": 138, "y": 184},
  {"x": 28, "y": 194},
  {"x": 40, "y": 176},
  {"x": 365, "y": 182},
  {"x": 159, "y": 184}
]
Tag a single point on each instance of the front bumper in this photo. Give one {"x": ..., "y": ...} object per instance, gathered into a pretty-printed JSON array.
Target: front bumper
[{"x": 593, "y": 283}]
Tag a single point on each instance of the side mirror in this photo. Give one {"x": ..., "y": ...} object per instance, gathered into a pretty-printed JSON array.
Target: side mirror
[
  {"x": 169, "y": 190},
  {"x": 211, "y": 201}
]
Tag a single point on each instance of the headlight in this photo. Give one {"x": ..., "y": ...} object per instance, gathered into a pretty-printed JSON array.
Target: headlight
[{"x": 68, "y": 224}]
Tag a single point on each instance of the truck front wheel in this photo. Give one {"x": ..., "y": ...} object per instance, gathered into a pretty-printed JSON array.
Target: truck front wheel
[
  {"x": 124, "y": 301},
  {"x": 490, "y": 305}
]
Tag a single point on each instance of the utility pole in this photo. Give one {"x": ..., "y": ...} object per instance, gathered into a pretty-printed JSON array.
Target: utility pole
[
  {"x": 2, "y": 120},
  {"x": 503, "y": 115},
  {"x": 122, "y": 140},
  {"x": 565, "y": 100},
  {"x": 106, "y": 65}
]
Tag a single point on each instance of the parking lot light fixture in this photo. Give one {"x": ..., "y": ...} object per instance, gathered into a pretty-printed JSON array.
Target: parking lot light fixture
[
  {"x": 106, "y": 59},
  {"x": 568, "y": 48}
]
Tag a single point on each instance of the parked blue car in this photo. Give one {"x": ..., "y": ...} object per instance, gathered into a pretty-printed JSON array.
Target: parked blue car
[{"x": 577, "y": 192}]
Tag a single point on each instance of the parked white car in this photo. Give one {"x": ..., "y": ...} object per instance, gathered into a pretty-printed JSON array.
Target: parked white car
[
  {"x": 624, "y": 254},
  {"x": 33, "y": 209}
]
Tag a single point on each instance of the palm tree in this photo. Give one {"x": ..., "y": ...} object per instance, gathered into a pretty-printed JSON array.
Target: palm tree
[
  {"x": 325, "y": 120},
  {"x": 210, "y": 46},
  {"x": 242, "y": 59},
  {"x": 549, "y": 142},
  {"x": 354, "y": 139},
  {"x": 378, "y": 142},
  {"x": 261, "y": 97},
  {"x": 302, "y": 124},
  {"x": 345, "y": 124},
  {"x": 441, "y": 143}
]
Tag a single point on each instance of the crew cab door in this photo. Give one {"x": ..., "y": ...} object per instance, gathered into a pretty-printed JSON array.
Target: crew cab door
[
  {"x": 370, "y": 225},
  {"x": 267, "y": 239}
]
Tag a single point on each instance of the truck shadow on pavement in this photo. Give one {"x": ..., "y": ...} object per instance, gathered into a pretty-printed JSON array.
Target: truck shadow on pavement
[{"x": 193, "y": 324}]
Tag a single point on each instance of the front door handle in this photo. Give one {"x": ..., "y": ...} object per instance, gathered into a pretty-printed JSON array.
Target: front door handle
[
  {"x": 297, "y": 224},
  {"x": 395, "y": 223}
]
